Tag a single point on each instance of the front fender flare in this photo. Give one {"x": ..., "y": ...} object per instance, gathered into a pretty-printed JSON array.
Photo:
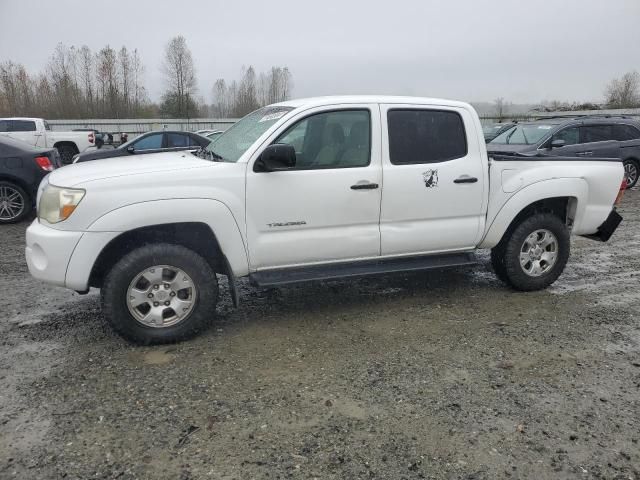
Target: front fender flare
[
  {"x": 202, "y": 210},
  {"x": 576, "y": 188}
]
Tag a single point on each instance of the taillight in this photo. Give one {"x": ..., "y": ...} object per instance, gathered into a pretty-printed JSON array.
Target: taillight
[
  {"x": 623, "y": 187},
  {"x": 92, "y": 137},
  {"x": 44, "y": 163}
]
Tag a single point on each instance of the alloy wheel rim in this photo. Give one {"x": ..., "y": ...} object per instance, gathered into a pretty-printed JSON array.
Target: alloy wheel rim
[
  {"x": 161, "y": 296},
  {"x": 630, "y": 173},
  {"x": 11, "y": 203},
  {"x": 539, "y": 253}
]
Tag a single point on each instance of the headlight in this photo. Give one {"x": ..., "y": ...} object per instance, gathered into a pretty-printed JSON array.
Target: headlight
[{"x": 57, "y": 203}]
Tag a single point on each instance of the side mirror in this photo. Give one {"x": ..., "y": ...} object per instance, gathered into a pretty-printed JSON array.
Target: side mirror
[
  {"x": 131, "y": 149},
  {"x": 276, "y": 157},
  {"x": 557, "y": 143}
]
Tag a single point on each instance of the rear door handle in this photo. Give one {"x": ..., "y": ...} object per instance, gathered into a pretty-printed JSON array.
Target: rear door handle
[
  {"x": 364, "y": 186},
  {"x": 465, "y": 179}
]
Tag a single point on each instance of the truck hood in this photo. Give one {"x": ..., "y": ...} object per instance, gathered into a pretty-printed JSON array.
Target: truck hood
[{"x": 79, "y": 173}]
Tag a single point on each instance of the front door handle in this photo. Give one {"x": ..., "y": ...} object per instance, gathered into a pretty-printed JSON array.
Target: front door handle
[
  {"x": 465, "y": 179},
  {"x": 364, "y": 186}
]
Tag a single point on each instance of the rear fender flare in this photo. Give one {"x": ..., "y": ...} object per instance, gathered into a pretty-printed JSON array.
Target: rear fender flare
[{"x": 576, "y": 188}]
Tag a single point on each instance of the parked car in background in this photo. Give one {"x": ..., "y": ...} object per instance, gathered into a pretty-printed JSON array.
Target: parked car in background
[
  {"x": 596, "y": 136},
  {"x": 22, "y": 167},
  {"x": 37, "y": 132},
  {"x": 214, "y": 134},
  {"x": 151, "y": 142},
  {"x": 294, "y": 192},
  {"x": 492, "y": 130}
]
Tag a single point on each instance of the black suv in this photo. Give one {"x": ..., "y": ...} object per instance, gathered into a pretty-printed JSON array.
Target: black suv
[{"x": 597, "y": 136}]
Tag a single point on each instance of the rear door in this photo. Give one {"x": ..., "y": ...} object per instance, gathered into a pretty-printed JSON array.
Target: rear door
[
  {"x": 435, "y": 175},
  {"x": 597, "y": 141}
]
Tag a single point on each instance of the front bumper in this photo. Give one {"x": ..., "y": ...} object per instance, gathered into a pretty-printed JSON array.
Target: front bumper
[
  {"x": 49, "y": 251},
  {"x": 605, "y": 231}
]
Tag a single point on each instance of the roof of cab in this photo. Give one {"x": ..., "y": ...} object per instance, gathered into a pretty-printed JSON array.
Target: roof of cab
[{"x": 346, "y": 99}]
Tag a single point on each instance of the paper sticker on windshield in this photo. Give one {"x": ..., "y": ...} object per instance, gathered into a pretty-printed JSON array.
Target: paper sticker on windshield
[
  {"x": 544, "y": 127},
  {"x": 272, "y": 116}
]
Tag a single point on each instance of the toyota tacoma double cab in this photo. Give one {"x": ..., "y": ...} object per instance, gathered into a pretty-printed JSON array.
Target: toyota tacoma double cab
[
  {"x": 311, "y": 189},
  {"x": 38, "y": 133}
]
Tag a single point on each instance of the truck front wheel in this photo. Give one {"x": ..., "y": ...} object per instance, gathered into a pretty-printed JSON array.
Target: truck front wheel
[
  {"x": 160, "y": 293},
  {"x": 534, "y": 254}
]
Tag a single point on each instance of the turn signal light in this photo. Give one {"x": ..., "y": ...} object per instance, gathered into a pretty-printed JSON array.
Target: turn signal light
[
  {"x": 623, "y": 187},
  {"x": 44, "y": 163}
]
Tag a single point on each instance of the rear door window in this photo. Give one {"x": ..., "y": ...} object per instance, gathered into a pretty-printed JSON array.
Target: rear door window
[
  {"x": 625, "y": 132},
  {"x": 4, "y": 125},
  {"x": 425, "y": 136},
  {"x": 595, "y": 133},
  {"x": 23, "y": 126},
  {"x": 178, "y": 140}
]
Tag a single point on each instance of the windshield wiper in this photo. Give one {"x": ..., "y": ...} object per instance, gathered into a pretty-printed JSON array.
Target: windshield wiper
[{"x": 207, "y": 154}]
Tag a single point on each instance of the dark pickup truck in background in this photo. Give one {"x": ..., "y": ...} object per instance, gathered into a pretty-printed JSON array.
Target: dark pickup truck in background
[{"x": 594, "y": 136}]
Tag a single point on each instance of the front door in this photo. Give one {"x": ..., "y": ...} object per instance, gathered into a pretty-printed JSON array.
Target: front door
[
  {"x": 327, "y": 207},
  {"x": 435, "y": 182}
]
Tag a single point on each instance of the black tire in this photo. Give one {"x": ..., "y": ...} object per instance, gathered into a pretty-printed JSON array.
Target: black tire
[
  {"x": 117, "y": 281},
  {"x": 631, "y": 167},
  {"x": 505, "y": 257},
  {"x": 12, "y": 189},
  {"x": 66, "y": 153}
]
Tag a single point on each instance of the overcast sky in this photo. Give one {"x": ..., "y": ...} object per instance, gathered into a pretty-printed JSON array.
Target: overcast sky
[{"x": 473, "y": 50}]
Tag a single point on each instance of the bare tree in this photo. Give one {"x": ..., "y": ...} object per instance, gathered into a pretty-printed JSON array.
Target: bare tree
[
  {"x": 500, "y": 107},
  {"x": 624, "y": 92},
  {"x": 180, "y": 76},
  {"x": 220, "y": 99},
  {"x": 87, "y": 76},
  {"x": 137, "y": 71},
  {"x": 125, "y": 78}
]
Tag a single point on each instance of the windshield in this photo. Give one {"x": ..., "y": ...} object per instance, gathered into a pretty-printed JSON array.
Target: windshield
[
  {"x": 524, "y": 134},
  {"x": 232, "y": 144}
]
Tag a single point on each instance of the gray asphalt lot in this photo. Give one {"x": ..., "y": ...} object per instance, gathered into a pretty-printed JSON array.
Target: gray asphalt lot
[{"x": 436, "y": 375}]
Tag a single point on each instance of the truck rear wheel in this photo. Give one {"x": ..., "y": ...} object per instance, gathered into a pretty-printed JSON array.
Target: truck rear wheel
[
  {"x": 160, "y": 293},
  {"x": 67, "y": 151},
  {"x": 534, "y": 254},
  {"x": 631, "y": 172}
]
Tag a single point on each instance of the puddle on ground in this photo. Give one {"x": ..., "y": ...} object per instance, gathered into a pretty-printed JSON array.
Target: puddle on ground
[{"x": 153, "y": 357}]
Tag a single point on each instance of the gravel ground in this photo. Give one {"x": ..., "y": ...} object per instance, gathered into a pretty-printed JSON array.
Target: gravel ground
[{"x": 435, "y": 375}]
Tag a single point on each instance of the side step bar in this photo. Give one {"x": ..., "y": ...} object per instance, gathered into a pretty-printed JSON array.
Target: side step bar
[{"x": 335, "y": 271}]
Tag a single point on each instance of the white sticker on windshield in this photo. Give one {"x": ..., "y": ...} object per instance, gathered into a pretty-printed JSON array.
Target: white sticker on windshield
[
  {"x": 272, "y": 116},
  {"x": 544, "y": 127}
]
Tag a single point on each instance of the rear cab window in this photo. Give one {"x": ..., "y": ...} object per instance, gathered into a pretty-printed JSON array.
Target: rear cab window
[
  {"x": 425, "y": 136},
  {"x": 22, "y": 126}
]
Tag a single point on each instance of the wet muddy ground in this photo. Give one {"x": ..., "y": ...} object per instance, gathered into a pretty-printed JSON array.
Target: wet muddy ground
[{"x": 435, "y": 375}]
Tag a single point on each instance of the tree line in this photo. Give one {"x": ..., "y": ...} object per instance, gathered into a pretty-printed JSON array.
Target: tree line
[
  {"x": 77, "y": 83},
  {"x": 80, "y": 83},
  {"x": 622, "y": 92}
]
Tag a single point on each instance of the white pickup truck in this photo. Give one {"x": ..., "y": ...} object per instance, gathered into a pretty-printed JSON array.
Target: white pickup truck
[
  {"x": 37, "y": 132},
  {"x": 311, "y": 189}
]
